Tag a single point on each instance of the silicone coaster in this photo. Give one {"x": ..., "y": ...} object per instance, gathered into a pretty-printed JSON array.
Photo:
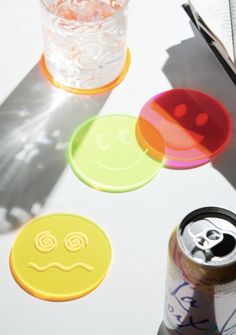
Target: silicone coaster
[
  {"x": 60, "y": 257},
  {"x": 98, "y": 90},
  {"x": 104, "y": 154},
  {"x": 194, "y": 127}
]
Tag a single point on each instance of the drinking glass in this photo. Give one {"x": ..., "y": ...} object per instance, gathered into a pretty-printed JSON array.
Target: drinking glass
[{"x": 85, "y": 42}]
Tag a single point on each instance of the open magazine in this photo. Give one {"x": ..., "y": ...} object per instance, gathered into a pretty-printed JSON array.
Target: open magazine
[{"x": 216, "y": 19}]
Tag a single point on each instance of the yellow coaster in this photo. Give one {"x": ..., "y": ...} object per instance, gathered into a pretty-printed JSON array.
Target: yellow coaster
[{"x": 60, "y": 257}]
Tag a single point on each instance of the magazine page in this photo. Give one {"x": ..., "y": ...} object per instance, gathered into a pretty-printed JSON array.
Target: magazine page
[{"x": 220, "y": 18}]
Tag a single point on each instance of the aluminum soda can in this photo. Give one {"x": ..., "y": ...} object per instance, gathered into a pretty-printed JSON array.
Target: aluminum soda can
[{"x": 201, "y": 275}]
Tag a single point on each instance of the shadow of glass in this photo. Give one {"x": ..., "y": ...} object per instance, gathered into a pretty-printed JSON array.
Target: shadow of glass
[
  {"x": 192, "y": 64},
  {"x": 36, "y": 122}
]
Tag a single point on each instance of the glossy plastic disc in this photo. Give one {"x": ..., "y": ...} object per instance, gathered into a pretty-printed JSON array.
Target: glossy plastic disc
[
  {"x": 105, "y": 154},
  {"x": 194, "y": 127},
  {"x": 60, "y": 257}
]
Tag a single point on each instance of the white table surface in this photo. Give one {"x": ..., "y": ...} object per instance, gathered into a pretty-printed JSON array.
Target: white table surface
[{"x": 165, "y": 54}]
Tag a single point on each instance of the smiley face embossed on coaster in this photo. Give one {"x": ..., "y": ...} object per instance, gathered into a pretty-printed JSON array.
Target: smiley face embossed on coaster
[
  {"x": 104, "y": 153},
  {"x": 60, "y": 257},
  {"x": 194, "y": 127}
]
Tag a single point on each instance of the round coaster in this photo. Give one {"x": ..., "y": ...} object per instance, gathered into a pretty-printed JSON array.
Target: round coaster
[
  {"x": 94, "y": 91},
  {"x": 60, "y": 257},
  {"x": 171, "y": 164},
  {"x": 194, "y": 127},
  {"x": 104, "y": 154}
]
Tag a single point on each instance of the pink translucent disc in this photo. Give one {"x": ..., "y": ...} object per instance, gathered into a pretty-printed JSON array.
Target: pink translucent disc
[{"x": 193, "y": 126}]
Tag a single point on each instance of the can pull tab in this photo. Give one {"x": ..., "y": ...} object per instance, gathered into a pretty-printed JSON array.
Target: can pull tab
[
  {"x": 208, "y": 239},
  {"x": 208, "y": 236}
]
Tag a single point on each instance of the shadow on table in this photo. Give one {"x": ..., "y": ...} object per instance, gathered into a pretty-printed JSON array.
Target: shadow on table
[
  {"x": 162, "y": 330},
  {"x": 192, "y": 64},
  {"x": 36, "y": 122}
]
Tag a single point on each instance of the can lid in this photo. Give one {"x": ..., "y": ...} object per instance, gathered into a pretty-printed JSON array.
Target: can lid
[{"x": 208, "y": 236}]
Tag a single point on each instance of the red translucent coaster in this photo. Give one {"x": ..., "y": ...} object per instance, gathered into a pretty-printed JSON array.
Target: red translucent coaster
[{"x": 193, "y": 126}]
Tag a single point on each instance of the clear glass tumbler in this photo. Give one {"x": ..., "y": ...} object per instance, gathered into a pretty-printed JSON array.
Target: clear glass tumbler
[{"x": 84, "y": 41}]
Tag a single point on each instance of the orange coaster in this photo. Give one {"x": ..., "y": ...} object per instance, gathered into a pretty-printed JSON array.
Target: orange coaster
[{"x": 94, "y": 91}]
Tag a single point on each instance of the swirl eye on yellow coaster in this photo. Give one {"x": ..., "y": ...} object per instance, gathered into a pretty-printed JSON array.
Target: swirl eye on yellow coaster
[{"x": 60, "y": 257}]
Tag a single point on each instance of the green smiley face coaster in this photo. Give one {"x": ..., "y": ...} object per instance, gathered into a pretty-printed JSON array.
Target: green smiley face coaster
[{"x": 105, "y": 154}]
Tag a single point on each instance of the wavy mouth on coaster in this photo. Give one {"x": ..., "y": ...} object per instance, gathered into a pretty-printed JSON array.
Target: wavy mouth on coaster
[{"x": 60, "y": 266}]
